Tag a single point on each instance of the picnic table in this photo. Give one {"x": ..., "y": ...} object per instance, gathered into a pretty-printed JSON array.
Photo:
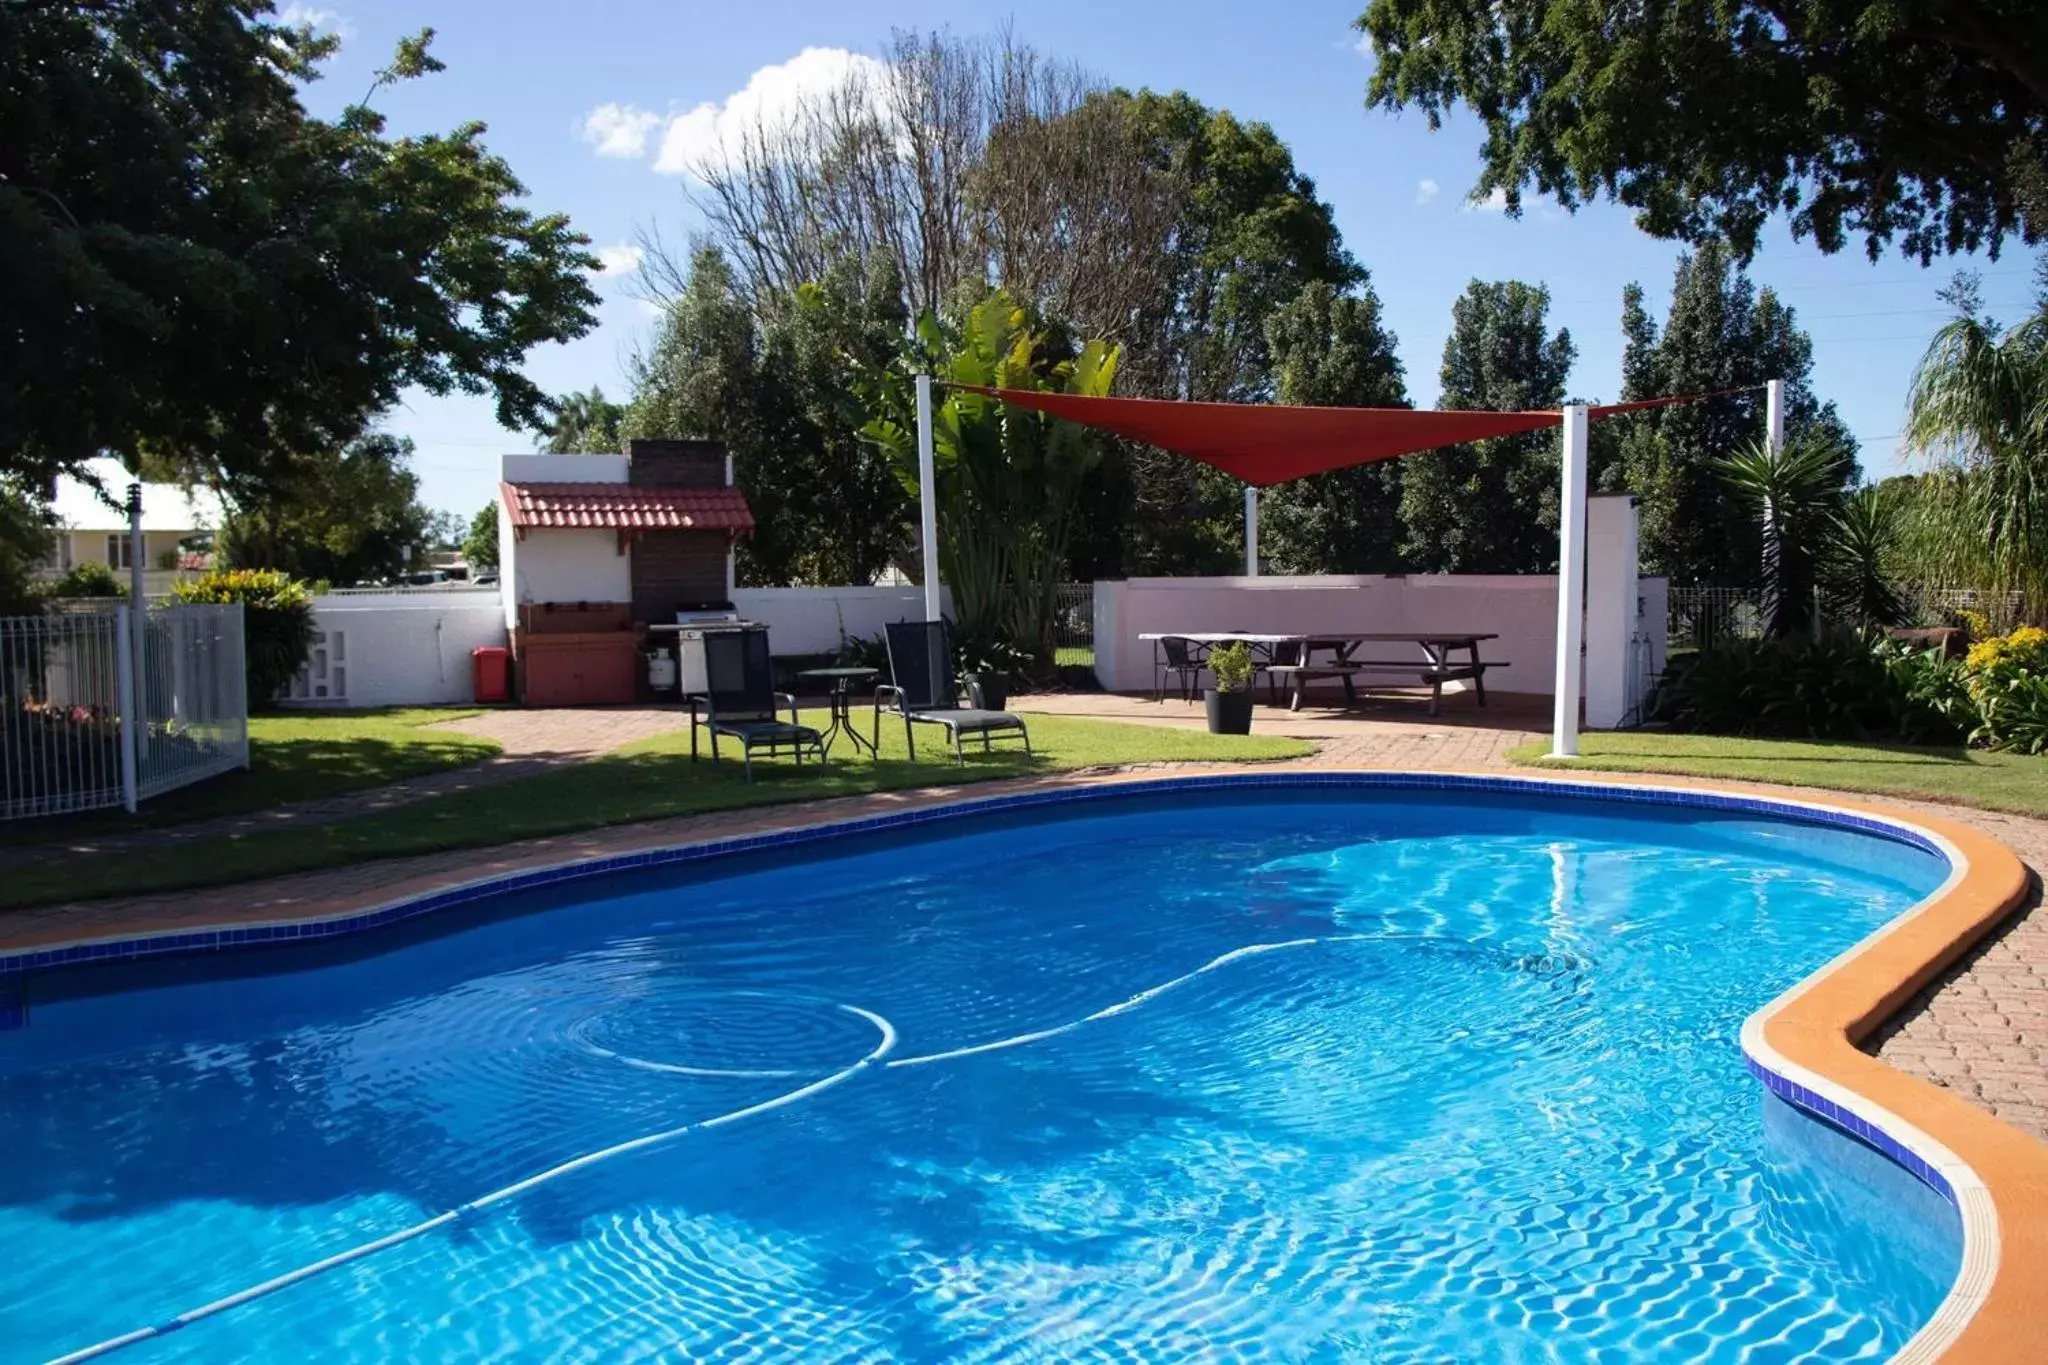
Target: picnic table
[{"x": 1293, "y": 656}]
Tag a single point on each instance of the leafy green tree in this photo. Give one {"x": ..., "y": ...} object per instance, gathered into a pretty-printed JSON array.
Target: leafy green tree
[
  {"x": 1251, "y": 235},
  {"x": 340, "y": 518},
  {"x": 1330, "y": 349},
  {"x": 1721, "y": 333},
  {"x": 1491, "y": 506},
  {"x": 1009, "y": 481},
  {"x": 201, "y": 271},
  {"x": 1979, "y": 410},
  {"x": 480, "y": 545},
  {"x": 1920, "y": 123},
  {"x": 779, "y": 395},
  {"x": 583, "y": 424},
  {"x": 25, "y": 545}
]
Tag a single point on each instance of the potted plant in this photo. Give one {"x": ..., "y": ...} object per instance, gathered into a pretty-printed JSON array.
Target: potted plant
[
  {"x": 986, "y": 670},
  {"x": 1230, "y": 700}
]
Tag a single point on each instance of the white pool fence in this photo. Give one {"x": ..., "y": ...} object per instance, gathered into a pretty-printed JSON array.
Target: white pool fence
[{"x": 100, "y": 706}]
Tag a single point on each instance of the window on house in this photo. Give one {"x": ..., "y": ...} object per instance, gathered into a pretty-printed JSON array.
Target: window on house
[{"x": 120, "y": 553}]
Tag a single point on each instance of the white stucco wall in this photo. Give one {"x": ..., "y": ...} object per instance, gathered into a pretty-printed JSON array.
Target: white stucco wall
[
  {"x": 566, "y": 566},
  {"x": 816, "y": 620},
  {"x": 401, "y": 649},
  {"x": 1521, "y": 610}
]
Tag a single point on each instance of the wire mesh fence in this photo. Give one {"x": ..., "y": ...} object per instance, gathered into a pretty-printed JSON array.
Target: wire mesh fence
[
  {"x": 95, "y": 713},
  {"x": 1074, "y": 625}
]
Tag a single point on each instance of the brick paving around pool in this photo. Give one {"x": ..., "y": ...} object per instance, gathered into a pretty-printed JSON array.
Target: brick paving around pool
[{"x": 1981, "y": 1030}]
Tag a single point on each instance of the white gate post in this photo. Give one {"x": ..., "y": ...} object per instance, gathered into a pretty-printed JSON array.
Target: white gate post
[
  {"x": 928, "y": 500},
  {"x": 138, "y": 618},
  {"x": 124, "y": 688},
  {"x": 1571, "y": 585},
  {"x": 1251, "y": 530}
]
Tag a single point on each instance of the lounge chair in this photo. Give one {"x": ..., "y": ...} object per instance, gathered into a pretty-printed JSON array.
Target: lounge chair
[
  {"x": 741, "y": 703},
  {"x": 925, "y": 693}
]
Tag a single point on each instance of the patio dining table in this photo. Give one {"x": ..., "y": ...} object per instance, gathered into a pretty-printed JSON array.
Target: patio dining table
[{"x": 1436, "y": 666}]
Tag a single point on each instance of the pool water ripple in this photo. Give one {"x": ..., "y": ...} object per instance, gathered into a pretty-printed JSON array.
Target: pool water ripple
[{"x": 1387, "y": 1079}]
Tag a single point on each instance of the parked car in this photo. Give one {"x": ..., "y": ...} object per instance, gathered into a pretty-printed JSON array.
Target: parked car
[{"x": 485, "y": 578}]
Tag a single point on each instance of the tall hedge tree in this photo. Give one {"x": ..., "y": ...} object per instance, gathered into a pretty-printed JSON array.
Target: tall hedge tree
[
  {"x": 1491, "y": 506},
  {"x": 193, "y": 268},
  {"x": 1916, "y": 123},
  {"x": 1331, "y": 349},
  {"x": 1721, "y": 333}
]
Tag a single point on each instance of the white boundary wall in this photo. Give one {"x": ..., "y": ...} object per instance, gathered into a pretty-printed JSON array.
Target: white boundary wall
[
  {"x": 399, "y": 649},
  {"x": 412, "y": 648},
  {"x": 1520, "y": 609},
  {"x": 816, "y": 620}
]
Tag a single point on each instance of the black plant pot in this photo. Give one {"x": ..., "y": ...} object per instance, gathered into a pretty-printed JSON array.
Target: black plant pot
[
  {"x": 988, "y": 691},
  {"x": 1230, "y": 713}
]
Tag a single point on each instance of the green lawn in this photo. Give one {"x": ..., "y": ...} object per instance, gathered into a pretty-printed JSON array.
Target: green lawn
[
  {"x": 1970, "y": 777},
  {"x": 643, "y": 781},
  {"x": 293, "y": 756}
]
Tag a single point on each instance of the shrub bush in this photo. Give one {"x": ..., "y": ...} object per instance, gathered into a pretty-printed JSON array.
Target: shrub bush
[
  {"x": 1845, "y": 685},
  {"x": 2008, "y": 680},
  {"x": 90, "y": 579},
  {"x": 277, "y": 622}
]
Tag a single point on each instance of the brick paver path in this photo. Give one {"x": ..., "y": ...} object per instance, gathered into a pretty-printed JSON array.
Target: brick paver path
[{"x": 1981, "y": 1030}]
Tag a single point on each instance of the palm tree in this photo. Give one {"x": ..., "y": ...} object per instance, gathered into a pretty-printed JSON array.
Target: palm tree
[
  {"x": 1862, "y": 551},
  {"x": 1979, "y": 409},
  {"x": 1794, "y": 490}
]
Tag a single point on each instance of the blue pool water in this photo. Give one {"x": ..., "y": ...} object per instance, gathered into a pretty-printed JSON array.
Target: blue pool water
[{"x": 1379, "y": 1076}]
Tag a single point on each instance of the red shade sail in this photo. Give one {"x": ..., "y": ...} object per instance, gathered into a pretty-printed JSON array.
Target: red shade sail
[{"x": 1265, "y": 444}]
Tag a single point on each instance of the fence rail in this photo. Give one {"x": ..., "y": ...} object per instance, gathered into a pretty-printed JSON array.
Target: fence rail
[
  {"x": 1700, "y": 614},
  {"x": 96, "y": 713}
]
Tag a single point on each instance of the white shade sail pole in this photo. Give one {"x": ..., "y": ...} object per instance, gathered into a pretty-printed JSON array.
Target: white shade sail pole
[
  {"x": 1571, "y": 585},
  {"x": 928, "y": 499},
  {"x": 1251, "y": 531},
  {"x": 1774, "y": 413}
]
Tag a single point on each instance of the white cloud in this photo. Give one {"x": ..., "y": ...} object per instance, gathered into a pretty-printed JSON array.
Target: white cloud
[
  {"x": 622, "y": 259},
  {"x": 1426, "y": 192},
  {"x": 619, "y": 130},
  {"x": 1497, "y": 202},
  {"x": 773, "y": 96},
  {"x": 296, "y": 15}
]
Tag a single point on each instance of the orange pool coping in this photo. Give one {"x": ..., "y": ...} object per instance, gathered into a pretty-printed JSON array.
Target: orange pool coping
[{"x": 1997, "y": 1310}]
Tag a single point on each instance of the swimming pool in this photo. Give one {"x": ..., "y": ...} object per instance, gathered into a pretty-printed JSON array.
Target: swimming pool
[{"x": 1376, "y": 1074}]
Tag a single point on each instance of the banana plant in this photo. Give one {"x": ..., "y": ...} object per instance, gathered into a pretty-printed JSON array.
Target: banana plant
[{"x": 1009, "y": 482}]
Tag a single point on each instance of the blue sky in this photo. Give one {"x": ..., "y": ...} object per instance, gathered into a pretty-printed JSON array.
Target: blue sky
[{"x": 536, "y": 73}]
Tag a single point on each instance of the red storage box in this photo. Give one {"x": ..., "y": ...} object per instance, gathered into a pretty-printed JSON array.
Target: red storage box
[{"x": 490, "y": 669}]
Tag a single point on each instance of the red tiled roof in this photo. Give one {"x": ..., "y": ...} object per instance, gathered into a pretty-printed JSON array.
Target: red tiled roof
[{"x": 626, "y": 507}]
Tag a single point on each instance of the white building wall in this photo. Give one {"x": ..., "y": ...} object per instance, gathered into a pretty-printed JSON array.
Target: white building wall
[
  {"x": 401, "y": 649},
  {"x": 818, "y": 620},
  {"x": 1614, "y": 672}
]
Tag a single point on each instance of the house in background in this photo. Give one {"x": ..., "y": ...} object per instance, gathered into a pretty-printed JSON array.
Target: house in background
[{"x": 173, "y": 519}]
